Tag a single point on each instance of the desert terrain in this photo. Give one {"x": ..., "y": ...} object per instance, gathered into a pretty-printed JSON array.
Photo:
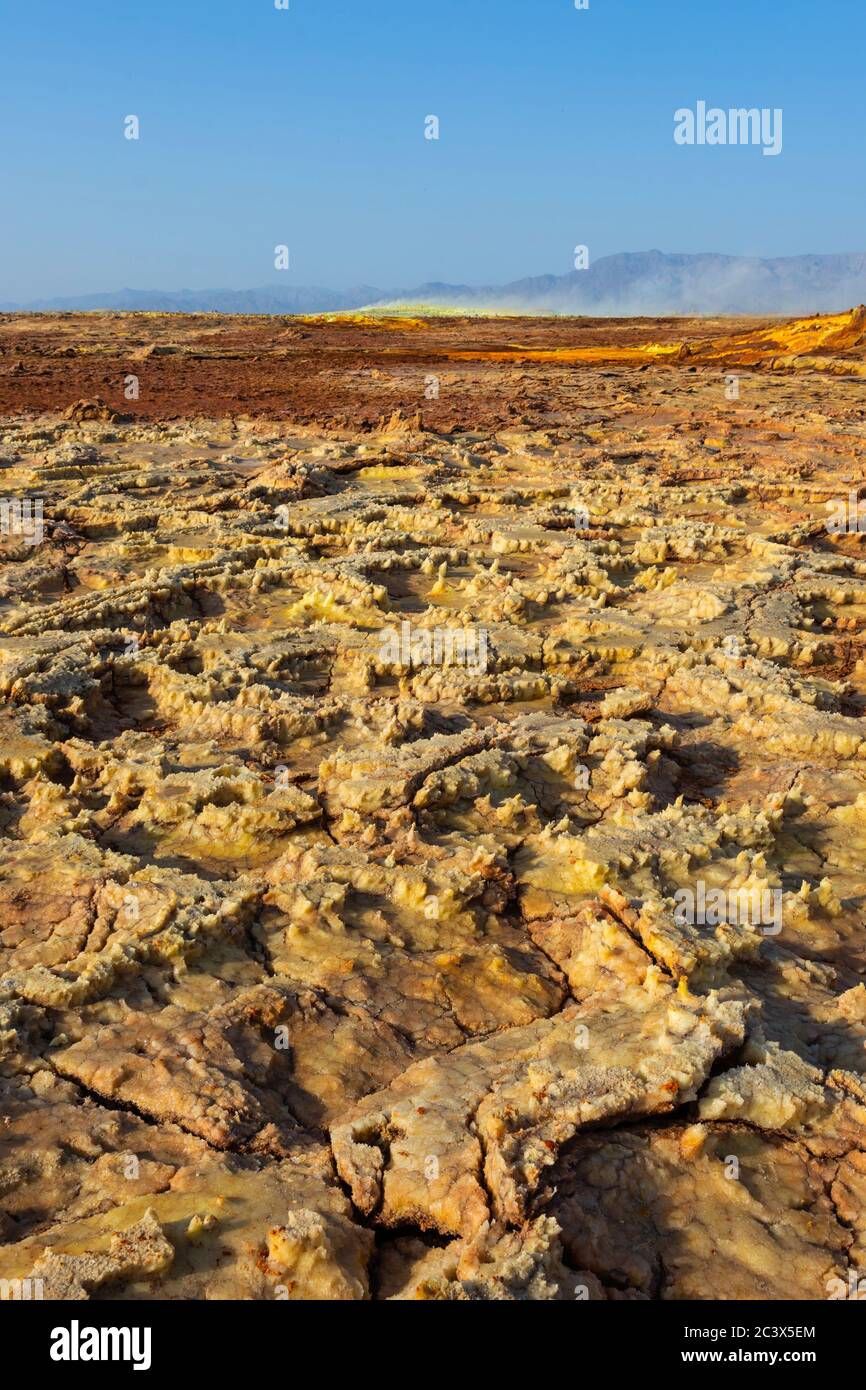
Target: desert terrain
[{"x": 433, "y": 808}]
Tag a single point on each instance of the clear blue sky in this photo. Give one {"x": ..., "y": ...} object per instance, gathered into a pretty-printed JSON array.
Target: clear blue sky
[{"x": 306, "y": 127}]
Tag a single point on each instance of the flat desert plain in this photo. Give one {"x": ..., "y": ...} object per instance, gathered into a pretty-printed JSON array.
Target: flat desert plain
[{"x": 433, "y": 808}]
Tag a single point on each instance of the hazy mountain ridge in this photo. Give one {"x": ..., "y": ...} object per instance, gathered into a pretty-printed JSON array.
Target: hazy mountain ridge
[
  {"x": 631, "y": 283},
  {"x": 267, "y": 299}
]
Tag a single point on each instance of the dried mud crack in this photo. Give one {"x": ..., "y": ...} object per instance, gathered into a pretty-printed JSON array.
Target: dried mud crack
[{"x": 431, "y": 847}]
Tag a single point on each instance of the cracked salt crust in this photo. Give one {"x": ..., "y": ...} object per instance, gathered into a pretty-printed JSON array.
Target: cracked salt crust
[{"x": 297, "y": 945}]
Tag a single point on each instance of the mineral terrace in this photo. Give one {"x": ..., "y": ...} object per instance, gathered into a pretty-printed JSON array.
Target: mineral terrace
[{"x": 374, "y": 695}]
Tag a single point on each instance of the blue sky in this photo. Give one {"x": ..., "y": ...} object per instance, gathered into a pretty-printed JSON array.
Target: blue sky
[{"x": 306, "y": 127}]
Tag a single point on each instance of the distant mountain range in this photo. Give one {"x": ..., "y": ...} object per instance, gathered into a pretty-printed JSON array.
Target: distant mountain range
[{"x": 633, "y": 283}]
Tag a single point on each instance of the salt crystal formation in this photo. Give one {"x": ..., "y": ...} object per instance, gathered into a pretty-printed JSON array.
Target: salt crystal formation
[{"x": 338, "y": 965}]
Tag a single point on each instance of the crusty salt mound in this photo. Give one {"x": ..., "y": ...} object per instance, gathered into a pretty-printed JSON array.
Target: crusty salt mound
[{"x": 432, "y": 864}]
